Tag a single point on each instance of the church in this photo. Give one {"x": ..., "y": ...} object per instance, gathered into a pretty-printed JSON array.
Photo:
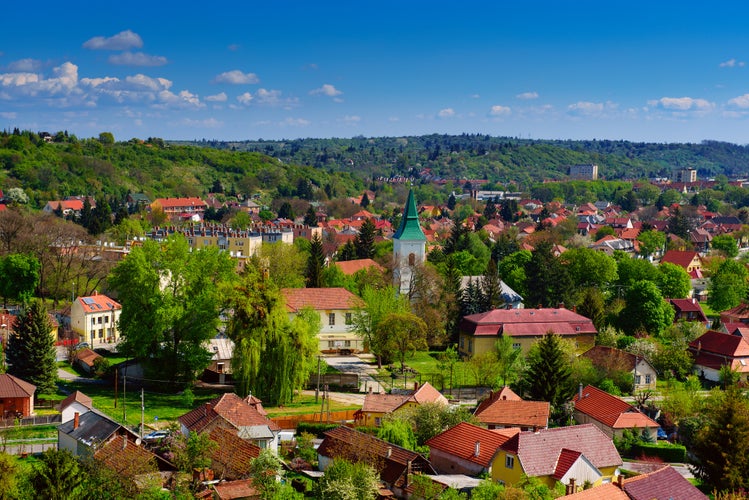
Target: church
[{"x": 409, "y": 246}]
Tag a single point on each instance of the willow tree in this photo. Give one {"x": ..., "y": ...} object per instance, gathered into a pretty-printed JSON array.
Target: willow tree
[{"x": 273, "y": 356}]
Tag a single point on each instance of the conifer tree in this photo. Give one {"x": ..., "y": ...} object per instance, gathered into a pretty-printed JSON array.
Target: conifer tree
[
  {"x": 548, "y": 374},
  {"x": 364, "y": 201},
  {"x": 347, "y": 252},
  {"x": 31, "y": 349},
  {"x": 310, "y": 217},
  {"x": 451, "y": 201},
  {"x": 315, "y": 264},
  {"x": 364, "y": 242}
]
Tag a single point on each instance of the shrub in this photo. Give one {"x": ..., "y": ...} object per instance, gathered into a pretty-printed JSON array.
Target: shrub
[
  {"x": 664, "y": 451},
  {"x": 317, "y": 429}
]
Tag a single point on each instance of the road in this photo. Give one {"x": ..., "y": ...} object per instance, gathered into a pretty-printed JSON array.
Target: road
[{"x": 353, "y": 364}]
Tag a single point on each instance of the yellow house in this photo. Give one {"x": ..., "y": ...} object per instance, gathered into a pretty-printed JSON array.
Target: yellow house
[
  {"x": 479, "y": 332},
  {"x": 376, "y": 406},
  {"x": 579, "y": 453},
  {"x": 8, "y": 323},
  {"x": 95, "y": 318}
]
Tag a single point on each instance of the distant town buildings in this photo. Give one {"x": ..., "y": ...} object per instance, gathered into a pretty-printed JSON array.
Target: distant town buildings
[
  {"x": 685, "y": 175},
  {"x": 589, "y": 171}
]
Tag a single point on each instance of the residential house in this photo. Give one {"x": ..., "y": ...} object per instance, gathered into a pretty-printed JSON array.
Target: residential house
[
  {"x": 219, "y": 369},
  {"x": 467, "y": 449},
  {"x": 479, "y": 332},
  {"x": 714, "y": 349},
  {"x": 394, "y": 464},
  {"x": 579, "y": 452},
  {"x": 137, "y": 201},
  {"x": 688, "y": 310},
  {"x": 232, "y": 457},
  {"x": 505, "y": 409},
  {"x": 87, "y": 431},
  {"x": 376, "y": 406},
  {"x": 77, "y": 402},
  {"x": 70, "y": 207},
  {"x": 126, "y": 458},
  {"x": 336, "y": 307},
  {"x": 610, "y": 244},
  {"x": 94, "y": 318},
  {"x": 609, "y": 359},
  {"x": 235, "y": 414},
  {"x": 241, "y": 489},
  {"x": 664, "y": 483},
  {"x": 239, "y": 243},
  {"x": 86, "y": 359},
  {"x": 690, "y": 261},
  {"x": 610, "y": 414},
  {"x": 351, "y": 267},
  {"x": 9, "y": 321},
  {"x": 180, "y": 208},
  {"x": 16, "y": 397},
  {"x": 738, "y": 314}
]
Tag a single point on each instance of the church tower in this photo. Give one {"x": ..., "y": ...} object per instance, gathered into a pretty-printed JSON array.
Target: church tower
[{"x": 409, "y": 246}]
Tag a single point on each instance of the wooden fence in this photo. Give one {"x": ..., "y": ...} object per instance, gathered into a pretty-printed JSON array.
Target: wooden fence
[{"x": 291, "y": 421}]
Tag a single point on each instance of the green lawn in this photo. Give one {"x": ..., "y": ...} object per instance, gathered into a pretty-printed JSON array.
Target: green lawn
[
  {"x": 427, "y": 367},
  {"x": 306, "y": 404},
  {"x": 30, "y": 432}
]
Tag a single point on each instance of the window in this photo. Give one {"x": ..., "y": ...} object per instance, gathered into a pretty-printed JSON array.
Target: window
[
  {"x": 348, "y": 318},
  {"x": 220, "y": 367},
  {"x": 509, "y": 462},
  {"x": 106, "y": 319},
  {"x": 101, "y": 333},
  {"x": 331, "y": 319},
  {"x": 647, "y": 379},
  {"x": 516, "y": 345},
  {"x": 100, "y": 320},
  {"x": 378, "y": 420},
  {"x": 331, "y": 344},
  {"x": 470, "y": 345},
  {"x": 346, "y": 343},
  {"x": 411, "y": 259},
  {"x": 461, "y": 342},
  {"x": 638, "y": 379},
  {"x": 93, "y": 321}
]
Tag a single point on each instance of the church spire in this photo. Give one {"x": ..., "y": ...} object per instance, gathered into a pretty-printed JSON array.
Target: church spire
[{"x": 410, "y": 229}]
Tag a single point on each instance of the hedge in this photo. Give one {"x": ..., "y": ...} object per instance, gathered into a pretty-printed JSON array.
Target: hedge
[
  {"x": 318, "y": 429},
  {"x": 666, "y": 452}
]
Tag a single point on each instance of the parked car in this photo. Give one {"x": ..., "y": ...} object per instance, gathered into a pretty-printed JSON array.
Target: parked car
[
  {"x": 81, "y": 345},
  {"x": 155, "y": 435}
]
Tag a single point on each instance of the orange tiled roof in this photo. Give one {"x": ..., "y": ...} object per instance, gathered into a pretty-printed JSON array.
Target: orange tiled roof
[
  {"x": 504, "y": 393},
  {"x": 231, "y": 408},
  {"x": 98, "y": 303},
  {"x": 233, "y": 455},
  {"x": 242, "y": 488},
  {"x": 461, "y": 441},
  {"x": 87, "y": 356},
  {"x": 610, "y": 410},
  {"x": 129, "y": 460},
  {"x": 349, "y": 267},
  {"x": 77, "y": 397},
  {"x": 320, "y": 299},
  {"x": 510, "y": 413}
]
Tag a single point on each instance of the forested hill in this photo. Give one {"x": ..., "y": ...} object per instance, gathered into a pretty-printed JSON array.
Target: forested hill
[
  {"x": 64, "y": 165},
  {"x": 500, "y": 159}
]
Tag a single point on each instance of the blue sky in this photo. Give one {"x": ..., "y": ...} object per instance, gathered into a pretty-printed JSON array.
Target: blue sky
[{"x": 642, "y": 71}]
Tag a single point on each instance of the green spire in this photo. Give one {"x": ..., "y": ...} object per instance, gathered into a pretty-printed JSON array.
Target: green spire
[{"x": 410, "y": 230}]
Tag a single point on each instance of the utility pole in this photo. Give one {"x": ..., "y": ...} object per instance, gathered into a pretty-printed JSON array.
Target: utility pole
[
  {"x": 124, "y": 402},
  {"x": 317, "y": 390},
  {"x": 142, "y": 412}
]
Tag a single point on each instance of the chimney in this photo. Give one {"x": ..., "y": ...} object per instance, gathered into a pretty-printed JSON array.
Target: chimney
[
  {"x": 477, "y": 449},
  {"x": 580, "y": 391},
  {"x": 390, "y": 451},
  {"x": 620, "y": 481},
  {"x": 416, "y": 386},
  {"x": 124, "y": 441},
  {"x": 76, "y": 420}
]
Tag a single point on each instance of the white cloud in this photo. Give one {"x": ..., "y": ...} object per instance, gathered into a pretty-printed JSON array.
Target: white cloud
[
  {"x": 208, "y": 123},
  {"x": 327, "y": 89},
  {"x": 682, "y": 104},
  {"x": 475, "y": 96},
  {"x": 184, "y": 99},
  {"x": 123, "y": 40},
  {"x": 137, "y": 59},
  {"x": 527, "y": 96},
  {"x": 446, "y": 113},
  {"x": 62, "y": 84},
  {"x": 245, "y": 98},
  {"x": 269, "y": 97},
  {"x": 8, "y": 115},
  {"x": 394, "y": 119},
  {"x": 732, "y": 63},
  {"x": 236, "y": 77},
  {"x": 221, "y": 97},
  {"x": 25, "y": 65},
  {"x": 498, "y": 110},
  {"x": 594, "y": 109},
  {"x": 350, "y": 119},
  {"x": 294, "y": 122},
  {"x": 741, "y": 101}
]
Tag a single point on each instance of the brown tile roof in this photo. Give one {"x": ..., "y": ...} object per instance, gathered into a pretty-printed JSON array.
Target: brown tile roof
[
  {"x": 538, "y": 452},
  {"x": 129, "y": 460},
  {"x": 349, "y": 267},
  {"x": 504, "y": 393},
  {"x": 460, "y": 441},
  {"x": 609, "y": 357},
  {"x": 527, "y": 322},
  {"x": 610, "y": 410},
  {"x": 233, "y": 455},
  {"x": 98, "y": 303},
  {"x": 390, "y": 460},
  {"x": 608, "y": 491},
  {"x": 663, "y": 484},
  {"x": 510, "y": 413},
  {"x": 230, "y": 490},
  {"x": 320, "y": 299},
  {"x": 14, "y": 387},
  {"x": 231, "y": 408},
  {"x": 86, "y": 356},
  {"x": 77, "y": 397},
  {"x": 387, "y": 403}
]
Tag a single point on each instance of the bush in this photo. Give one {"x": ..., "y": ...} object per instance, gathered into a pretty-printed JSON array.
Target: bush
[
  {"x": 664, "y": 451},
  {"x": 315, "y": 428}
]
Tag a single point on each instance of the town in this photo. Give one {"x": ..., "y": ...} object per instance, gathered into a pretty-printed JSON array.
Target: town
[{"x": 404, "y": 336}]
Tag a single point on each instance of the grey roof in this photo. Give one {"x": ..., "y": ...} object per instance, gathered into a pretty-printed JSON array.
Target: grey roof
[
  {"x": 221, "y": 349},
  {"x": 93, "y": 428},
  {"x": 509, "y": 295}
]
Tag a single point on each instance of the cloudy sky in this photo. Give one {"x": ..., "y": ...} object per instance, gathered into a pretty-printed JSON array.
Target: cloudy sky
[{"x": 645, "y": 71}]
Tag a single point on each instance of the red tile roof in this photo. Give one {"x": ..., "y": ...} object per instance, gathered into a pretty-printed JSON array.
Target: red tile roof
[
  {"x": 87, "y": 357},
  {"x": 77, "y": 397},
  {"x": 681, "y": 258},
  {"x": 232, "y": 457},
  {"x": 125, "y": 458},
  {"x": 607, "y": 491},
  {"x": 609, "y": 357},
  {"x": 320, "y": 299},
  {"x": 610, "y": 410},
  {"x": 527, "y": 322},
  {"x": 14, "y": 387},
  {"x": 231, "y": 408},
  {"x": 538, "y": 451},
  {"x": 461, "y": 441},
  {"x": 98, "y": 303},
  {"x": 504, "y": 393},
  {"x": 663, "y": 484},
  {"x": 510, "y": 413},
  {"x": 566, "y": 459},
  {"x": 350, "y": 267},
  {"x": 721, "y": 343},
  {"x": 229, "y": 490}
]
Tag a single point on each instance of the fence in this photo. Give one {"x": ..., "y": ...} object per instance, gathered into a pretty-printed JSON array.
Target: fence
[
  {"x": 27, "y": 421},
  {"x": 342, "y": 380},
  {"x": 291, "y": 421}
]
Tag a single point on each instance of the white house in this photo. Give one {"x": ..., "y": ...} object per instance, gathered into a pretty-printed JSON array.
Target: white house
[{"x": 95, "y": 318}]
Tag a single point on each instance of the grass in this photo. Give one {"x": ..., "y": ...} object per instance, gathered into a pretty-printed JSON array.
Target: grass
[
  {"x": 304, "y": 403},
  {"x": 427, "y": 367},
  {"x": 29, "y": 432}
]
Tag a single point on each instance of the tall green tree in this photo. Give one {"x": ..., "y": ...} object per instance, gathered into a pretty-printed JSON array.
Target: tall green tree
[
  {"x": 721, "y": 444},
  {"x": 548, "y": 374},
  {"x": 273, "y": 356},
  {"x": 315, "y": 264},
  {"x": 589, "y": 268},
  {"x": 646, "y": 311},
  {"x": 401, "y": 335},
  {"x": 651, "y": 242},
  {"x": 171, "y": 300},
  {"x": 364, "y": 242},
  {"x": 726, "y": 244},
  {"x": 344, "y": 480},
  {"x": 508, "y": 361},
  {"x": 310, "y": 217},
  {"x": 56, "y": 476},
  {"x": 728, "y": 286},
  {"x": 548, "y": 282},
  {"x": 674, "y": 281},
  {"x": 21, "y": 274},
  {"x": 10, "y": 475},
  {"x": 31, "y": 349},
  {"x": 378, "y": 303}
]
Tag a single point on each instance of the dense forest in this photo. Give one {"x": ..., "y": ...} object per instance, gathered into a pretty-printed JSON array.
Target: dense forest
[{"x": 49, "y": 167}]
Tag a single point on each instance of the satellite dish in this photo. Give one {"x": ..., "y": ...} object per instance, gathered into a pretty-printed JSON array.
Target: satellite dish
[{"x": 137, "y": 442}]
